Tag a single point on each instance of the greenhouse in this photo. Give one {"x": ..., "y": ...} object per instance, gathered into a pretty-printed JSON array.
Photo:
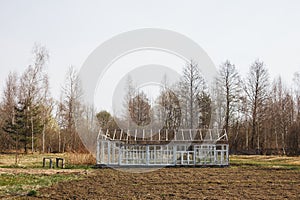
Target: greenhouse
[{"x": 155, "y": 148}]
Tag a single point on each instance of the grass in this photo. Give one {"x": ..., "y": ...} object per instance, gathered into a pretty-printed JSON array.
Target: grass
[
  {"x": 35, "y": 160},
  {"x": 273, "y": 162},
  {"x": 22, "y": 184},
  {"x": 28, "y": 175}
]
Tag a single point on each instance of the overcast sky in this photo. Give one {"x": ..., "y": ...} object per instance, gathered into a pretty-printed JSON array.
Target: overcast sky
[{"x": 240, "y": 31}]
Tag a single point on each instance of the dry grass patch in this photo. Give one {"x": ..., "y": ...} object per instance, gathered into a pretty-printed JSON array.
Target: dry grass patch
[
  {"x": 80, "y": 159},
  {"x": 36, "y": 160},
  {"x": 267, "y": 161}
]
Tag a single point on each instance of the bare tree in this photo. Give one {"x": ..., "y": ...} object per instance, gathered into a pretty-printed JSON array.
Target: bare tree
[
  {"x": 46, "y": 110},
  {"x": 70, "y": 107},
  {"x": 33, "y": 88},
  {"x": 140, "y": 109},
  {"x": 9, "y": 102},
  {"x": 296, "y": 89},
  {"x": 170, "y": 112},
  {"x": 130, "y": 93},
  {"x": 205, "y": 110},
  {"x": 230, "y": 88},
  {"x": 256, "y": 87},
  {"x": 191, "y": 85}
]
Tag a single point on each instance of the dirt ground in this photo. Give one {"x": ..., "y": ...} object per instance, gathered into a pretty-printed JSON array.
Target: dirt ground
[{"x": 181, "y": 183}]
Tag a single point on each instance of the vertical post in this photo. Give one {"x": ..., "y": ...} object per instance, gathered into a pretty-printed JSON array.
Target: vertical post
[
  {"x": 115, "y": 133},
  {"x": 181, "y": 155},
  {"x": 102, "y": 153},
  {"x": 194, "y": 157},
  {"x": 222, "y": 154},
  {"x": 159, "y": 135},
  {"x": 167, "y": 154},
  {"x": 113, "y": 148},
  {"x": 167, "y": 134},
  {"x": 120, "y": 154},
  {"x": 51, "y": 165},
  {"x": 215, "y": 154},
  {"x": 201, "y": 138},
  {"x": 154, "y": 152},
  {"x": 121, "y": 135},
  {"x": 227, "y": 154},
  {"x": 98, "y": 152},
  {"x": 143, "y": 134},
  {"x": 174, "y": 154},
  {"x": 147, "y": 155}
]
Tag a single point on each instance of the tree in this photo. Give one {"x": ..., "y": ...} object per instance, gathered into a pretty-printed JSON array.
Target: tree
[
  {"x": 190, "y": 85},
  {"x": 140, "y": 109},
  {"x": 33, "y": 86},
  {"x": 106, "y": 121},
  {"x": 9, "y": 102},
  {"x": 70, "y": 109},
  {"x": 170, "y": 111},
  {"x": 205, "y": 107},
  {"x": 26, "y": 102},
  {"x": 296, "y": 88},
  {"x": 256, "y": 88},
  {"x": 130, "y": 93},
  {"x": 229, "y": 83}
]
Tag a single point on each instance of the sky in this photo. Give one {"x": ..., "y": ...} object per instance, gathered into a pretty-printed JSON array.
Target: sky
[{"x": 240, "y": 31}]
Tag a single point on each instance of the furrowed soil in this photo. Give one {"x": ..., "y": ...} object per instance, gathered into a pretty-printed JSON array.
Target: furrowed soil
[{"x": 235, "y": 182}]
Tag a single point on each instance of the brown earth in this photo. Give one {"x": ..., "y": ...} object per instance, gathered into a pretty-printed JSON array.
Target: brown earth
[{"x": 181, "y": 183}]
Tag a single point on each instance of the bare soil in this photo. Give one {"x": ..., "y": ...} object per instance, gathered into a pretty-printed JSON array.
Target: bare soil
[{"x": 236, "y": 182}]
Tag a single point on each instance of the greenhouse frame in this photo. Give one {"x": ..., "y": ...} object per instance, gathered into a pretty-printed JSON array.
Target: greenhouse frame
[{"x": 150, "y": 148}]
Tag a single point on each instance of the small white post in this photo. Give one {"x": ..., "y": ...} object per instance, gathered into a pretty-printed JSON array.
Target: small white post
[
  {"x": 120, "y": 154},
  {"x": 147, "y": 155},
  {"x": 222, "y": 154},
  {"x": 143, "y": 134},
  {"x": 108, "y": 152},
  {"x": 174, "y": 154},
  {"x": 114, "y": 134},
  {"x": 121, "y": 135},
  {"x": 103, "y": 153},
  {"x": 98, "y": 152},
  {"x": 227, "y": 154},
  {"x": 113, "y": 152},
  {"x": 166, "y": 134},
  {"x": 159, "y": 135}
]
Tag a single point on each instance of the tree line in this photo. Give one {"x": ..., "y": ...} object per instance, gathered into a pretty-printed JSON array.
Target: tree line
[
  {"x": 30, "y": 118},
  {"x": 260, "y": 115}
]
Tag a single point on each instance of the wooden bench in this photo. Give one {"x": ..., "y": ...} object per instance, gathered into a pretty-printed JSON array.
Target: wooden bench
[
  {"x": 62, "y": 162},
  {"x": 50, "y": 162},
  {"x": 57, "y": 161}
]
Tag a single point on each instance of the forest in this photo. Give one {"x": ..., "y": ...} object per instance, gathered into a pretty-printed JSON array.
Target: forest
[{"x": 260, "y": 115}]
